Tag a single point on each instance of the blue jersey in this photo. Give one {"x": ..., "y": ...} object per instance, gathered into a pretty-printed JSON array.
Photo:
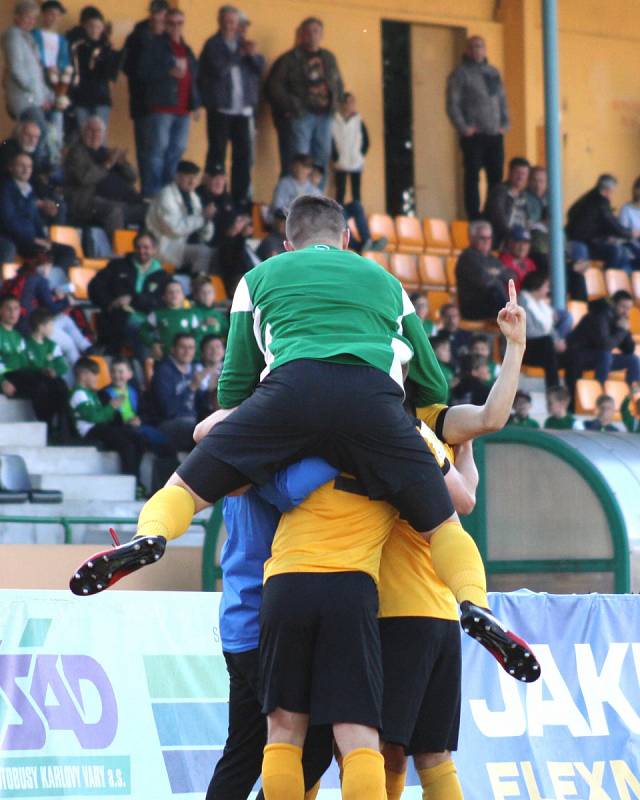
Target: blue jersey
[{"x": 251, "y": 521}]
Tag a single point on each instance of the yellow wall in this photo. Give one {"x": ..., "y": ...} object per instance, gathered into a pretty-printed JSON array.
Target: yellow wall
[{"x": 600, "y": 61}]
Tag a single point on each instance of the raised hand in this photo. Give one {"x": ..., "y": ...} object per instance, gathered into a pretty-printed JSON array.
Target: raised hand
[{"x": 512, "y": 319}]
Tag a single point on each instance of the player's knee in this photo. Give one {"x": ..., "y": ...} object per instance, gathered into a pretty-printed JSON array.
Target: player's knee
[
  {"x": 429, "y": 760},
  {"x": 395, "y": 759},
  {"x": 287, "y": 727},
  {"x": 350, "y": 737},
  {"x": 176, "y": 480}
]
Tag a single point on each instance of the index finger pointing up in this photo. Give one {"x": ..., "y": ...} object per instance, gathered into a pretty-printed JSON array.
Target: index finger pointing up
[{"x": 513, "y": 297}]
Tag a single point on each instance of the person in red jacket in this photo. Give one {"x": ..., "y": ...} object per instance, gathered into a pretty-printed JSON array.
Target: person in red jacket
[{"x": 516, "y": 256}]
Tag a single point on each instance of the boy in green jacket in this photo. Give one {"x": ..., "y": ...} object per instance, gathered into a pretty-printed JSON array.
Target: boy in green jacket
[
  {"x": 163, "y": 324},
  {"x": 43, "y": 354},
  {"x": 213, "y": 321}
]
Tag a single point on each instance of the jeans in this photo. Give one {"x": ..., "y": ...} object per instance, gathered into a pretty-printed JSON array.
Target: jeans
[
  {"x": 241, "y": 762},
  {"x": 84, "y": 112},
  {"x": 311, "y": 134},
  {"x": 141, "y": 128},
  {"x": 355, "y": 211},
  {"x": 7, "y": 251},
  {"x": 615, "y": 255},
  {"x": 602, "y": 362},
  {"x": 167, "y": 139},
  {"x": 341, "y": 186},
  {"x": 283, "y": 129},
  {"x": 541, "y": 352},
  {"x": 235, "y": 128},
  {"x": 480, "y": 151}
]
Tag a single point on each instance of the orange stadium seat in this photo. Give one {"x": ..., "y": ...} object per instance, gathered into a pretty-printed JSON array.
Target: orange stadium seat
[
  {"x": 596, "y": 287},
  {"x": 409, "y": 235},
  {"x": 218, "y": 287},
  {"x": 437, "y": 237},
  {"x": 403, "y": 266},
  {"x": 460, "y": 234},
  {"x": 635, "y": 285},
  {"x": 432, "y": 273},
  {"x": 634, "y": 321},
  {"x": 65, "y": 234},
  {"x": 379, "y": 258},
  {"x": 451, "y": 273},
  {"x": 587, "y": 392},
  {"x": 123, "y": 241},
  {"x": 436, "y": 301},
  {"x": 382, "y": 225},
  {"x": 80, "y": 278},
  {"x": 104, "y": 376},
  {"x": 9, "y": 270},
  {"x": 619, "y": 391},
  {"x": 577, "y": 309},
  {"x": 615, "y": 280},
  {"x": 258, "y": 211}
]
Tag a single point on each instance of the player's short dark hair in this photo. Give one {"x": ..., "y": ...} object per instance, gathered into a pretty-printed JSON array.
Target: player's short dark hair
[
  {"x": 39, "y": 317},
  {"x": 85, "y": 364},
  {"x": 186, "y": 167},
  {"x": 182, "y": 335},
  {"x": 314, "y": 219},
  {"x": 560, "y": 393},
  {"x": 621, "y": 294},
  {"x": 145, "y": 235}
]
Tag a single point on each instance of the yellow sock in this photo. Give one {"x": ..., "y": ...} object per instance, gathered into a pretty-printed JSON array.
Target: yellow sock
[
  {"x": 441, "y": 782},
  {"x": 395, "y": 784},
  {"x": 313, "y": 792},
  {"x": 282, "y": 776},
  {"x": 458, "y": 563},
  {"x": 364, "y": 777},
  {"x": 168, "y": 513}
]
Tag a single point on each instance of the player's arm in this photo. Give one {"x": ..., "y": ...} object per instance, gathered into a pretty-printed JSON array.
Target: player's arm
[
  {"x": 291, "y": 486},
  {"x": 462, "y": 479},
  {"x": 243, "y": 360},
  {"x": 465, "y": 422},
  {"x": 424, "y": 370}
]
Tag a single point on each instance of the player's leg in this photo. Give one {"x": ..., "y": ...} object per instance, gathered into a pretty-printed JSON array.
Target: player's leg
[
  {"x": 239, "y": 767},
  {"x": 395, "y": 767},
  {"x": 363, "y": 775},
  {"x": 282, "y": 773},
  {"x": 438, "y": 776}
]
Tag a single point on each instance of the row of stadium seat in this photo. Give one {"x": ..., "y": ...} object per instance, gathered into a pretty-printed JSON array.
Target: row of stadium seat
[
  {"x": 432, "y": 236},
  {"x": 601, "y": 283},
  {"x": 589, "y": 389}
]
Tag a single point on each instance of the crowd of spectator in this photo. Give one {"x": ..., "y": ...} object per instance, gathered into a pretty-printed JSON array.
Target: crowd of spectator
[{"x": 157, "y": 318}]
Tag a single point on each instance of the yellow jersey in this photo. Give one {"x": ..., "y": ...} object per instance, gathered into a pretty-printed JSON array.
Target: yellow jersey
[{"x": 338, "y": 529}]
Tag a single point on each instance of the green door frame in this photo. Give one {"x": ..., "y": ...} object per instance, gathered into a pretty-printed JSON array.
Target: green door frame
[{"x": 477, "y": 522}]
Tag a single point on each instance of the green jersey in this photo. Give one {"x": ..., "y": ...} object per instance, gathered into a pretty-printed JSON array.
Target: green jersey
[
  {"x": 630, "y": 415},
  {"x": 164, "y": 324},
  {"x": 566, "y": 423},
  {"x": 522, "y": 422},
  {"x": 45, "y": 355},
  {"x": 88, "y": 409},
  {"x": 13, "y": 353},
  {"x": 329, "y": 305},
  {"x": 213, "y": 321}
]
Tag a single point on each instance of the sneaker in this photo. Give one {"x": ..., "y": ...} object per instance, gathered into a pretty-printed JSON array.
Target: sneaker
[
  {"x": 104, "y": 569},
  {"x": 510, "y": 651}
]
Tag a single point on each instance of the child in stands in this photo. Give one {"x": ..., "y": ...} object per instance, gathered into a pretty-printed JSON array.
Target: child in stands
[
  {"x": 421, "y": 305},
  {"x": 163, "y": 324},
  {"x": 474, "y": 384},
  {"x": 605, "y": 413},
  {"x": 103, "y": 424},
  {"x": 521, "y": 411},
  {"x": 213, "y": 321},
  {"x": 212, "y": 352},
  {"x": 481, "y": 346},
  {"x": 442, "y": 348},
  {"x": 350, "y": 145},
  {"x": 42, "y": 351},
  {"x": 559, "y": 419}
]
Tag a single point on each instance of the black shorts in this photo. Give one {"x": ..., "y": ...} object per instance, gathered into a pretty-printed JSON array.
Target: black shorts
[
  {"x": 422, "y": 664},
  {"x": 320, "y": 647},
  {"x": 350, "y": 415}
]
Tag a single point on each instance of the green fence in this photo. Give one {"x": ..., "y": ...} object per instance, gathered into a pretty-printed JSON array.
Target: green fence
[{"x": 211, "y": 571}]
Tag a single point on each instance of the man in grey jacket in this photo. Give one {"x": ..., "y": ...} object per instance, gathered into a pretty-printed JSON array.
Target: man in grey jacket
[
  {"x": 26, "y": 92},
  {"x": 477, "y": 107}
]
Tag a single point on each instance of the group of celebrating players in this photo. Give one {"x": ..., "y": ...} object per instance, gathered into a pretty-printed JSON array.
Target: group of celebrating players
[{"x": 345, "y": 558}]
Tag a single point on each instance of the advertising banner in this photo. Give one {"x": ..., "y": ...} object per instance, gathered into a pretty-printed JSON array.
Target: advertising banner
[{"x": 125, "y": 695}]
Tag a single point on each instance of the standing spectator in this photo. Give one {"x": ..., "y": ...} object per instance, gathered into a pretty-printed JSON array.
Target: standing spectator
[
  {"x": 350, "y": 146},
  {"x": 55, "y": 58},
  {"x": 521, "y": 411},
  {"x": 516, "y": 256},
  {"x": 305, "y": 88},
  {"x": 591, "y": 220},
  {"x": 213, "y": 321},
  {"x": 168, "y": 68},
  {"x": 291, "y": 186},
  {"x": 546, "y": 329},
  {"x": 559, "y": 419},
  {"x": 99, "y": 182},
  {"x": 26, "y": 92},
  {"x": 630, "y": 212},
  {"x": 229, "y": 73},
  {"x": 78, "y": 31},
  {"x": 605, "y": 412},
  {"x": 134, "y": 45},
  {"x": 450, "y": 326},
  {"x": 100, "y": 423},
  {"x": 96, "y": 64},
  {"x": 506, "y": 204},
  {"x": 126, "y": 290},
  {"x": 176, "y": 380},
  {"x": 22, "y": 216},
  {"x": 176, "y": 217},
  {"x": 213, "y": 190},
  {"x": 604, "y": 328},
  {"x": 481, "y": 278},
  {"x": 20, "y": 378},
  {"x": 165, "y": 323},
  {"x": 477, "y": 107}
]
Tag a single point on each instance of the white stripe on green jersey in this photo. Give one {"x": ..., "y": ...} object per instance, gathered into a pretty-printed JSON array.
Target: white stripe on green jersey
[{"x": 330, "y": 305}]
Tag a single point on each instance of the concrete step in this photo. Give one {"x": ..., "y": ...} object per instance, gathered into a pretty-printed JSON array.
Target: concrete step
[
  {"x": 76, "y": 460},
  {"x": 86, "y": 487},
  {"x": 23, "y": 434},
  {"x": 15, "y": 410}
]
